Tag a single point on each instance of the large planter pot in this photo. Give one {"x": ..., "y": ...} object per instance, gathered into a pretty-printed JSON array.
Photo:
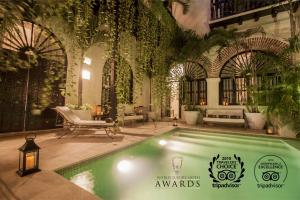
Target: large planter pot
[
  {"x": 256, "y": 121},
  {"x": 191, "y": 117}
]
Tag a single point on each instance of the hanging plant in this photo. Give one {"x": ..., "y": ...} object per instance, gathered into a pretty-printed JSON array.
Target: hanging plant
[{"x": 84, "y": 20}]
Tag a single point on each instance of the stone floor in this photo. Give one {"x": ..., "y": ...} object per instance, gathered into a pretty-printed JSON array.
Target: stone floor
[{"x": 58, "y": 153}]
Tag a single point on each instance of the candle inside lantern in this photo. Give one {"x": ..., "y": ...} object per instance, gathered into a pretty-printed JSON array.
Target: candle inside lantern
[
  {"x": 30, "y": 160},
  {"x": 270, "y": 130}
]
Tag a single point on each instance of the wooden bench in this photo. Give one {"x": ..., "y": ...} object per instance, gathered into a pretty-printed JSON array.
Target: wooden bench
[{"x": 233, "y": 116}]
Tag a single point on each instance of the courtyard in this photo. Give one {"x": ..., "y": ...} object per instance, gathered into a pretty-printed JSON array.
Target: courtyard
[{"x": 150, "y": 99}]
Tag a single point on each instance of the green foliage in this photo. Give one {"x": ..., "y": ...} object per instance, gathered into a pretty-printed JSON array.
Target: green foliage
[
  {"x": 284, "y": 98},
  {"x": 12, "y": 11},
  {"x": 84, "y": 28},
  {"x": 191, "y": 108},
  {"x": 123, "y": 82},
  {"x": 83, "y": 24},
  {"x": 12, "y": 62},
  {"x": 79, "y": 107},
  {"x": 160, "y": 43}
]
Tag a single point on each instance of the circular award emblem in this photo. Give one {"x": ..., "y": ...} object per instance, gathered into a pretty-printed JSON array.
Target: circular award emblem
[
  {"x": 226, "y": 171},
  {"x": 270, "y": 171}
]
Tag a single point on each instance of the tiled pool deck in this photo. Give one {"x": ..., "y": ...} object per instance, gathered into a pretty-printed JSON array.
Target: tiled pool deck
[{"x": 59, "y": 153}]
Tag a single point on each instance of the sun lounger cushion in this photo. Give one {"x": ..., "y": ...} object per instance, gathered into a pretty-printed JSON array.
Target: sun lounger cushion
[
  {"x": 72, "y": 118},
  {"x": 93, "y": 123},
  {"x": 68, "y": 114}
]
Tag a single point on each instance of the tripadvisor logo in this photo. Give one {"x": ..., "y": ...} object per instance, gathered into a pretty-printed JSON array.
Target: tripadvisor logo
[
  {"x": 177, "y": 180},
  {"x": 226, "y": 171},
  {"x": 270, "y": 171}
]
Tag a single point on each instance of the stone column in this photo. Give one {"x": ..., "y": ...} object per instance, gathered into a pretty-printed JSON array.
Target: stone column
[
  {"x": 175, "y": 100},
  {"x": 213, "y": 92}
]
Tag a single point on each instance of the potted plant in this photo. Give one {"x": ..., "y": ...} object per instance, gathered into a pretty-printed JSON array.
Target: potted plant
[
  {"x": 191, "y": 114},
  {"x": 255, "y": 119}
]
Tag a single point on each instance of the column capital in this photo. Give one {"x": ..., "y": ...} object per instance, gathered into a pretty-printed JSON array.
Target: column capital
[{"x": 213, "y": 80}]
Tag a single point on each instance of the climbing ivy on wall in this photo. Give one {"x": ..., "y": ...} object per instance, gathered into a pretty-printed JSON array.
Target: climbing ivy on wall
[
  {"x": 134, "y": 20},
  {"x": 84, "y": 21},
  {"x": 134, "y": 31},
  {"x": 123, "y": 82}
]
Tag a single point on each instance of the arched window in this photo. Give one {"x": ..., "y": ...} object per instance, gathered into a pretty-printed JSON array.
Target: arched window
[
  {"x": 193, "y": 86},
  {"x": 35, "y": 78},
  {"x": 240, "y": 72}
]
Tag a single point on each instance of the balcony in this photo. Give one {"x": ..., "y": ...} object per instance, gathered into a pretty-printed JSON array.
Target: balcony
[{"x": 225, "y": 12}]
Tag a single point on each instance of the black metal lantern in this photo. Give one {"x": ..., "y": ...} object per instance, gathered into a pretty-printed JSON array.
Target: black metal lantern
[
  {"x": 28, "y": 157},
  {"x": 175, "y": 121}
]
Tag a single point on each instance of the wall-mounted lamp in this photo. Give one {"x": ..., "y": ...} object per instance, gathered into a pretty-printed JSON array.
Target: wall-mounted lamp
[
  {"x": 87, "y": 61},
  {"x": 86, "y": 74}
]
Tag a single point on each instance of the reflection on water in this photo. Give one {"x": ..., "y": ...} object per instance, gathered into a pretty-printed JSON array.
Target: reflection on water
[{"x": 84, "y": 180}]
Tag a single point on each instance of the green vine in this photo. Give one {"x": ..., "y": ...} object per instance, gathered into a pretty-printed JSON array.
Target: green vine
[{"x": 141, "y": 34}]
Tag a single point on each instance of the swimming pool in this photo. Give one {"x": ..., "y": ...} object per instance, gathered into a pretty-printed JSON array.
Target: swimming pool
[{"x": 186, "y": 164}]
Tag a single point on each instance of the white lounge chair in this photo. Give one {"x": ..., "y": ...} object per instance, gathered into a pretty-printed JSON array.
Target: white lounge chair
[{"x": 73, "y": 122}]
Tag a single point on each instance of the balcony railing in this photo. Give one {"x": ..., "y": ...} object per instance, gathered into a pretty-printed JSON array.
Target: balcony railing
[{"x": 225, "y": 8}]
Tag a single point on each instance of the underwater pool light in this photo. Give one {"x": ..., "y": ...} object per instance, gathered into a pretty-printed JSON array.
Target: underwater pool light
[
  {"x": 162, "y": 142},
  {"x": 124, "y": 166}
]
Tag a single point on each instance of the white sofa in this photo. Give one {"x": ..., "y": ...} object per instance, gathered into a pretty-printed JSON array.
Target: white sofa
[{"x": 225, "y": 116}]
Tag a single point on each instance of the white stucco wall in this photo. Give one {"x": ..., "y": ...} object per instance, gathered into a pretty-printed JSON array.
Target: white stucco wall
[{"x": 92, "y": 89}]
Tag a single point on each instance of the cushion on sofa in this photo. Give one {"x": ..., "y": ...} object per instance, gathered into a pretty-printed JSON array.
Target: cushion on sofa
[
  {"x": 223, "y": 116},
  {"x": 212, "y": 116}
]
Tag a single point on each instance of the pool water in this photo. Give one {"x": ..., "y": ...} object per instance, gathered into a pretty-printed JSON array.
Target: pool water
[{"x": 149, "y": 169}]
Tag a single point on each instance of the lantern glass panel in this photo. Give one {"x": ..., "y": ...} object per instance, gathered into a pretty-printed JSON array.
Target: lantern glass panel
[
  {"x": 30, "y": 160},
  {"x": 21, "y": 154}
]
